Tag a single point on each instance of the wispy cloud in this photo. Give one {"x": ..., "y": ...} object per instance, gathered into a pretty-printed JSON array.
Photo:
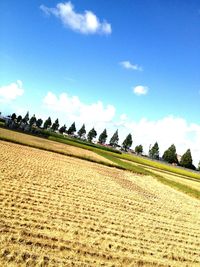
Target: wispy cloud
[
  {"x": 140, "y": 90},
  {"x": 11, "y": 91},
  {"x": 85, "y": 23},
  {"x": 129, "y": 66}
]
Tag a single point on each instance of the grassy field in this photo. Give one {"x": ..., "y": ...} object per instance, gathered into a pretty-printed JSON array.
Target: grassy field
[
  {"x": 194, "y": 184},
  {"x": 159, "y": 165},
  {"x": 62, "y": 211},
  {"x": 79, "y": 143}
]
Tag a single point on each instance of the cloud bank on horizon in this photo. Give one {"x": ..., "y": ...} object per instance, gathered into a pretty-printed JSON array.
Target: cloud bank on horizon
[
  {"x": 86, "y": 23},
  {"x": 166, "y": 131}
]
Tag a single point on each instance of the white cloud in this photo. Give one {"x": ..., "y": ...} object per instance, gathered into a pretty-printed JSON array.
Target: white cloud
[
  {"x": 128, "y": 65},
  {"x": 11, "y": 91},
  {"x": 86, "y": 23},
  {"x": 140, "y": 90},
  {"x": 166, "y": 131},
  {"x": 72, "y": 109}
]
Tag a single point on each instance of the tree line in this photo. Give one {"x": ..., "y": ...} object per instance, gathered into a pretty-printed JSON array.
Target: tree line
[
  {"x": 34, "y": 125},
  {"x": 170, "y": 156}
]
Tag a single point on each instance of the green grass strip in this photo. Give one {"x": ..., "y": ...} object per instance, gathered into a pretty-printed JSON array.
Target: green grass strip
[
  {"x": 159, "y": 165},
  {"x": 79, "y": 143},
  {"x": 179, "y": 186},
  {"x": 124, "y": 165},
  {"x": 71, "y": 143},
  {"x": 139, "y": 170}
]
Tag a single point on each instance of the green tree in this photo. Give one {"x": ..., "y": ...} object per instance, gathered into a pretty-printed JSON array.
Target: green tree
[
  {"x": 114, "y": 139},
  {"x": 198, "y": 166},
  {"x": 186, "y": 160},
  {"x": 72, "y": 129},
  {"x": 39, "y": 123},
  {"x": 82, "y": 131},
  {"x": 47, "y": 123},
  {"x": 55, "y": 125},
  {"x": 102, "y": 137},
  {"x": 62, "y": 129},
  {"x": 170, "y": 155},
  {"x": 32, "y": 120},
  {"x": 19, "y": 119},
  {"x": 26, "y": 118},
  {"x": 139, "y": 149},
  {"x": 127, "y": 143},
  {"x": 91, "y": 135},
  {"x": 13, "y": 117},
  {"x": 154, "y": 151}
]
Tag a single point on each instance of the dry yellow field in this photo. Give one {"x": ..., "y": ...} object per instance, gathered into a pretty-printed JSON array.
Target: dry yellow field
[
  {"x": 61, "y": 211},
  {"x": 48, "y": 144}
]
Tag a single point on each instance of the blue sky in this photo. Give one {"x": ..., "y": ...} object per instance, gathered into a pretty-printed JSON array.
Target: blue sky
[{"x": 150, "y": 46}]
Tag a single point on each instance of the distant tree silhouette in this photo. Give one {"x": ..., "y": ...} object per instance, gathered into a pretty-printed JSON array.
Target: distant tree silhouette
[
  {"x": 47, "y": 123},
  {"x": 114, "y": 139},
  {"x": 39, "y": 123},
  {"x": 186, "y": 160},
  {"x": 26, "y": 118},
  {"x": 170, "y": 155},
  {"x": 91, "y": 135},
  {"x": 19, "y": 119},
  {"x": 102, "y": 137},
  {"x": 55, "y": 125},
  {"x": 139, "y": 149},
  {"x": 127, "y": 143},
  {"x": 82, "y": 131},
  {"x": 154, "y": 151},
  {"x": 72, "y": 129},
  {"x": 32, "y": 120},
  {"x": 13, "y": 116},
  {"x": 62, "y": 129}
]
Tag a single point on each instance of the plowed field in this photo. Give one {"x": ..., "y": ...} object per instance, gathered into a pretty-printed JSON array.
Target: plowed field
[{"x": 61, "y": 211}]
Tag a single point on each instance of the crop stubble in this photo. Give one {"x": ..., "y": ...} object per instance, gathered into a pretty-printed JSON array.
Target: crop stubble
[
  {"x": 61, "y": 211},
  {"x": 51, "y": 145}
]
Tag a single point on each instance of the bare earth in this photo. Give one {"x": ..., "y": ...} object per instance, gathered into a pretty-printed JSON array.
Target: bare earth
[{"x": 61, "y": 211}]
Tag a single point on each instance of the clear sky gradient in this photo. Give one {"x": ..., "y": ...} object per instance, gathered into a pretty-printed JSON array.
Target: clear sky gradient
[{"x": 133, "y": 63}]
